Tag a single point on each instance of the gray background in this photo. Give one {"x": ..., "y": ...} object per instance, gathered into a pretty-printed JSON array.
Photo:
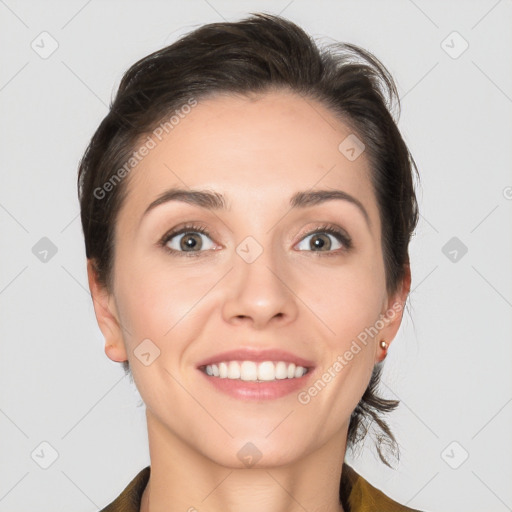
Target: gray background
[{"x": 451, "y": 362}]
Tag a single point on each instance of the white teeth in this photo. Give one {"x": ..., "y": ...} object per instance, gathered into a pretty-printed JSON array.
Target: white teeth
[
  {"x": 281, "y": 370},
  {"x": 266, "y": 371},
  {"x": 233, "y": 370},
  {"x": 251, "y": 371},
  {"x": 223, "y": 370}
]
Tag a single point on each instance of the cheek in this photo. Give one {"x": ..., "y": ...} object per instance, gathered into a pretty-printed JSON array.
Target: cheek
[
  {"x": 347, "y": 303},
  {"x": 346, "y": 300},
  {"x": 155, "y": 296}
]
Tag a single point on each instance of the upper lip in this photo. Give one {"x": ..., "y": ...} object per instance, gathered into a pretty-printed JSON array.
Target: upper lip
[{"x": 246, "y": 354}]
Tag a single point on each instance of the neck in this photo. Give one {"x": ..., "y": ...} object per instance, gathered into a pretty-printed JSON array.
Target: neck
[{"x": 183, "y": 479}]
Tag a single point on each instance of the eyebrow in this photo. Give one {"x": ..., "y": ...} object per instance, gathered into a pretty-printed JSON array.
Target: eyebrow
[
  {"x": 214, "y": 201},
  {"x": 314, "y": 197}
]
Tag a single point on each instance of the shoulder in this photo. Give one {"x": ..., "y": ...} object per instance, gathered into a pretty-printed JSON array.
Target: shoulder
[
  {"x": 358, "y": 495},
  {"x": 129, "y": 500}
]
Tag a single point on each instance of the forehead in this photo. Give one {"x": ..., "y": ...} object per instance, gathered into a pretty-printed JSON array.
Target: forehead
[{"x": 261, "y": 148}]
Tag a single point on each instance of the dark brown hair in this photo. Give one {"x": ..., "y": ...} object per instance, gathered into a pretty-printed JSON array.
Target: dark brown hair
[{"x": 258, "y": 54}]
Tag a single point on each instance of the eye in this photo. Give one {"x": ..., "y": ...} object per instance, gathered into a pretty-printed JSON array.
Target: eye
[
  {"x": 188, "y": 239},
  {"x": 325, "y": 239}
]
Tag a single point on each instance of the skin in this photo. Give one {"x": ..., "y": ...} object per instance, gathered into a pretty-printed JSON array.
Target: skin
[{"x": 257, "y": 152}]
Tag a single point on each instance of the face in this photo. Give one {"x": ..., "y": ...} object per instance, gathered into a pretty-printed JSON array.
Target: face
[{"x": 271, "y": 264}]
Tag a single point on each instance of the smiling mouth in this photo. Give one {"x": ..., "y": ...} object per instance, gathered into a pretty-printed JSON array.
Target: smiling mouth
[{"x": 251, "y": 371}]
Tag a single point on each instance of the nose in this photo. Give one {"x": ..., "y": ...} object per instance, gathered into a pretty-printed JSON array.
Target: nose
[{"x": 259, "y": 293}]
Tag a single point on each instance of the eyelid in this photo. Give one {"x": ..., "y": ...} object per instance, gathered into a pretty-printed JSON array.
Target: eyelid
[
  {"x": 187, "y": 227},
  {"x": 340, "y": 234},
  {"x": 184, "y": 228}
]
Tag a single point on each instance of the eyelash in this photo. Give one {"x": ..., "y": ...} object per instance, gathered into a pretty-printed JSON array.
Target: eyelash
[
  {"x": 195, "y": 228},
  {"x": 344, "y": 239},
  {"x": 189, "y": 228}
]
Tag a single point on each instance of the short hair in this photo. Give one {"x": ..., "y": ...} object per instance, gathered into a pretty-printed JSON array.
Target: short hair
[{"x": 259, "y": 54}]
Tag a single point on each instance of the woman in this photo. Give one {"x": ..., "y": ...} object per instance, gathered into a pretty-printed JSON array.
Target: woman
[{"x": 247, "y": 206}]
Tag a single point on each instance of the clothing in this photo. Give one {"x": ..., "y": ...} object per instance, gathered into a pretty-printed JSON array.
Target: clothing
[{"x": 356, "y": 495}]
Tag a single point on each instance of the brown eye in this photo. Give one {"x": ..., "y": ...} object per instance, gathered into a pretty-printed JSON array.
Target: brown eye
[
  {"x": 325, "y": 240},
  {"x": 321, "y": 242},
  {"x": 191, "y": 241},
  {"x": 188, "y": 241}
]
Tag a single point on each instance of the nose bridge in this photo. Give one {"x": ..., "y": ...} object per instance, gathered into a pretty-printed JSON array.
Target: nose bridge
[{"x": 258, "y": 291}]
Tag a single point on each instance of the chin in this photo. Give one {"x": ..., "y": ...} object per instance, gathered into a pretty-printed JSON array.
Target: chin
[{"x": 255, "y": 452}]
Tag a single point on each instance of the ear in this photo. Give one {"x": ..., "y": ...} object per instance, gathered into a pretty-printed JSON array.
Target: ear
[
  {"x": 393, "y": 313},
  {"x": 106, "y": 316}
]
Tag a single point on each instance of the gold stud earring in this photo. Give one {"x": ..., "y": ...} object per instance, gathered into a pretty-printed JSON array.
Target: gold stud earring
[{"x": 384, "y": 346}]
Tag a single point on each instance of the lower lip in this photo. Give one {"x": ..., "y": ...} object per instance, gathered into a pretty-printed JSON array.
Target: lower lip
[{"x": 251, "y": 390}]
